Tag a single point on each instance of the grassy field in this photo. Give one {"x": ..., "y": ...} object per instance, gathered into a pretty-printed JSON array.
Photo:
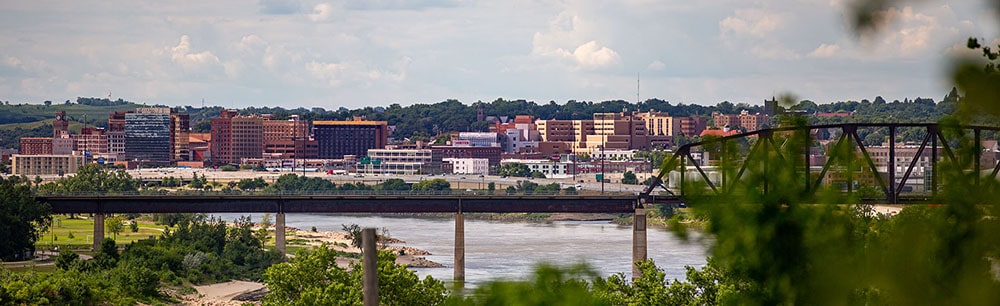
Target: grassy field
[{"x": 82, "y": 231}]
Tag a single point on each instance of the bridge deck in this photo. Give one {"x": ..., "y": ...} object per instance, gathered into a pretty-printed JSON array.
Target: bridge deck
[{"x": 342, "y": 203}]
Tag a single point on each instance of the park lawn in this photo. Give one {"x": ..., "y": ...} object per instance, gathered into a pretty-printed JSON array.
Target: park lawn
[{"x": 83, "y": 233}]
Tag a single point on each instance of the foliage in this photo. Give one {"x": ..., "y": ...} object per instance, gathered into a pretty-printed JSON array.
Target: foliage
[
  {"x": 629, "y": 178},
  {"x": 393, "y": 184},
  {"x": 549, "y": 286},
  {"x": 514, "y": 170},
  {"x": 313, "y": 278},
  {"x": 251, "y": 184},
  {"x": 93, "y": 178},
  {"x": 229, "y": 168},
  {"x": 437, "y": 184},
  {"x": 22, "y": 219},
  {"x": 114, "y": 224},
  {"x": 537, "y": 174}
]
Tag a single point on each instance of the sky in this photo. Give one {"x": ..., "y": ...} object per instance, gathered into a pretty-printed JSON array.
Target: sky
[{"x": 332, "y": 54}]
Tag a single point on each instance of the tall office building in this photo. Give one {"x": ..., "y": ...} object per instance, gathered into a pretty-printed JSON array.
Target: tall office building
[
  {"x": 288, "y": 139},
  {"x": 91, "y": 140},
  {"x": 180, "y": 131},
  {"x": 339, "y": 138},
  {"x": 116, "y": 134},
  {"x": 147, "y": 136},
  {"x": 236, "y": 137}
]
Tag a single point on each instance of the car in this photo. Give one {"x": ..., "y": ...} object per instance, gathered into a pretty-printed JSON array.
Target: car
[
  {"x": 503, "y": 176},
  {"x": 480, "y": 175}
]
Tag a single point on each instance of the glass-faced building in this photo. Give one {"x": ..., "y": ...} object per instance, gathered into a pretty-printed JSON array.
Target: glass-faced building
[{"x": 147, "y": 136}]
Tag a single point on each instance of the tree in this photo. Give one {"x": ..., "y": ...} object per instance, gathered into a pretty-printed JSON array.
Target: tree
[
  {"x": 22, "y": 219},
  {"x": 313, "y": 278},
  {"x": 114, "y": 224},
  {"x": 432, "y": 185},
  {"x": 514, "y": 170},
  {"x": 629, "y": 178},
  {"x": 394, "y": 184}
]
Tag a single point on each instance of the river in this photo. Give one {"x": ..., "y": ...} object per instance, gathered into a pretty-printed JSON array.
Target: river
[{"x": 509, "y": 250}]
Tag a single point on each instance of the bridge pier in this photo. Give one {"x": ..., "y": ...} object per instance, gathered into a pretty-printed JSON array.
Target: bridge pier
[
  {"x": 98, "y": 230},
  {"x": 638, "y": 240},
  {"x": 279, "y": 232},
  {"x": 459, "y": 248}
]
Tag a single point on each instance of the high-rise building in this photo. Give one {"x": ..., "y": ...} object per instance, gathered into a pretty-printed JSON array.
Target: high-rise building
[
  {"x": 689, "y": 126},
  {"x": 236, "y": 137},
  {"x": 288, "y": 139},
  {"x": 116, "y": 134},
  {"x": 91, "y": 140},
  {"x": 147, "y": 136},
  {"x": 339, "y": 138},
  {"x": 180, "y": 130}
]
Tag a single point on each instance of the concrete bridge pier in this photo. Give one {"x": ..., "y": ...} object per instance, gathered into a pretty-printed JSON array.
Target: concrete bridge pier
[
  {"x": 279, "y": 232},
  {"x": 459, "y": 248},
  {"x": 638, "y": 240},
  {"x": 98, "y": 231}
]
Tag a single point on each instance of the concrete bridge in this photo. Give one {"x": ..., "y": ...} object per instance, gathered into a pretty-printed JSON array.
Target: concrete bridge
[{"x": 457, "y": 204}]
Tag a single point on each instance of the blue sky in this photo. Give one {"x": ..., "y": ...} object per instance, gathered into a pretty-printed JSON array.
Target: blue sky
[{"x": 353, "y": 54}]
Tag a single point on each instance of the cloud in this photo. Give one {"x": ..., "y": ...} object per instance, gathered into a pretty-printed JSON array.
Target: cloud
[
  {"x": 593, "y": 56},
  {"x": 751, "y": 22},
  {"x": 656, "y": 65},
  {"x": 321, "y": 12},
  {"x": 279, "y": 7},
  {"x": 825, "y": 50},
  {"x": 181, "y": 54},
  {"x": 402, "y": 4},
  {"x": 568, "y": 31}
]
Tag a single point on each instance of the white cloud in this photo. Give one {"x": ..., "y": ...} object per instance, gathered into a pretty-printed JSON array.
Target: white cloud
[
  {"x": 181, "y": 54},
  {"x": 331, "y": 73},
  {"x": 825, "y": 50},
  {"x": 593, "y": 56},
  {"x": 656, "y": 65},
  {"x": 751, "y": 22},
  {"x": 321, "y": 12}
]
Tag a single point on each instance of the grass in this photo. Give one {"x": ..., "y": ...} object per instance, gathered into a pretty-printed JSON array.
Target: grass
[{"x": 83, "y": 233}]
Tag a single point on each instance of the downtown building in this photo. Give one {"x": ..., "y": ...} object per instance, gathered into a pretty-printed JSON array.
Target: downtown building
[
  {"x": 235, "y": 137},
  {"x": 147, "y": 136},
  {"x": 337, "y": 139}
]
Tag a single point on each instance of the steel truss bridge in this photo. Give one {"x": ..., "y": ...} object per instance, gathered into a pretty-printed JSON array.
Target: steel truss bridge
[{"x": 954, "y": 142}]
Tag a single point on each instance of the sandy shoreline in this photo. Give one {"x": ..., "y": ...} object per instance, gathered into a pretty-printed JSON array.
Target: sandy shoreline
[{"x": 223, "y": 294}]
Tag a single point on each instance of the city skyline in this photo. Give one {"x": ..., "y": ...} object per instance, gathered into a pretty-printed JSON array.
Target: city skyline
[{"x": 354, "y": 54}]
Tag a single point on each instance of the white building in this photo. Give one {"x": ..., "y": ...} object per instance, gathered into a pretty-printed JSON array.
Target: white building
[
  {"x": 551, "y": 169},
  {"x": 616, "y": 154},
  {"x": 469, "y": 165},
  {"x": 401, "y": 161},
  {"x": 518, "y": 139}
]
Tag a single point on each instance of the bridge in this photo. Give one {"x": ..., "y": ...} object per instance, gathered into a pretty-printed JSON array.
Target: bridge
[
  {"x": 720, "y": 164},
  {"x": 790, "y": 146},
  {"x": 389, "y": 202}
]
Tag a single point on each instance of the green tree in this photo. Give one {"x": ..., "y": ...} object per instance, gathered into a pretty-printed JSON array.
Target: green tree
[
  {"x": 514, "y": 170},
  {"x": 394, "y": 184},
  {"x": 629, "y": 178},
  {"x": 313, "y": 278},
  {"x": 114, "y": 224},
  {"x": 22, "y": 219},
  {"x": 437, "y": 184}
]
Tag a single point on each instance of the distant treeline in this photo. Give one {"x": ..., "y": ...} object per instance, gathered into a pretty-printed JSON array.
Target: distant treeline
[{"x": 423, "y": 121}]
